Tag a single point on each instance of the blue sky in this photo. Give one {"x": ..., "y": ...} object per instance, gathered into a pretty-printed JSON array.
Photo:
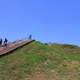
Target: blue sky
[{"x": 47, "y": 20}]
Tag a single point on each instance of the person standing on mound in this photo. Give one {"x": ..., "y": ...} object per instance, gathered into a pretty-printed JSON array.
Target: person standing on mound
[{"x": 30, "y": 37}]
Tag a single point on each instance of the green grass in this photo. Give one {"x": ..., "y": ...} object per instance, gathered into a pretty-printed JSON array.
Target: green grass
[{"x": 37, "y": 56}]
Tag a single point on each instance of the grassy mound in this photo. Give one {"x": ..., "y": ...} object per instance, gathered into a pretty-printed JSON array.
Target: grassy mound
[{"x": 38, "y": 61}]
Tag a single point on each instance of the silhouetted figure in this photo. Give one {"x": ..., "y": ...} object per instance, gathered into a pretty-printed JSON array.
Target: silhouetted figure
[
  {"x": 30, "y": 36},
  {"x": 1, "y": 42},
  {"x": 5, "y": 42}
]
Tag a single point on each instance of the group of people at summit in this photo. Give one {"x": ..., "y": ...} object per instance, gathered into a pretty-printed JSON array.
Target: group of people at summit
[{"x": 3, "y": 43}]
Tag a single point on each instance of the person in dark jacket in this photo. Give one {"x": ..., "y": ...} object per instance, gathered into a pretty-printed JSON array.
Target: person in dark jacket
[
  {"x": 30, "y": 36},
  {"x": 1, "y": 42},
  {"x": 5, "y": 42}
]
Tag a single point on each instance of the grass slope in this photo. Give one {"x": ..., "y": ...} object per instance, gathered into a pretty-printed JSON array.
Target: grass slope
[{"x": 37, "y": 61}]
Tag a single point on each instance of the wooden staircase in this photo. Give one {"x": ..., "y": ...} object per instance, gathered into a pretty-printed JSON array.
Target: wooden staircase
[{"x": 14, "y": 46}]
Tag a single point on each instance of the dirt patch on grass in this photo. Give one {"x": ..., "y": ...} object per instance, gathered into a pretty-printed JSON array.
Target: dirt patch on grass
[
  {"x": 52, "y": 75},
  {"x": 39, "y": 76}
]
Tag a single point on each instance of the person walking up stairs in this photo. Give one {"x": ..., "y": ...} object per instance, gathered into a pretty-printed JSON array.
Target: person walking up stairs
[
  {"x": 5, "y": 42},
  {"x": 1, "y": 42}
]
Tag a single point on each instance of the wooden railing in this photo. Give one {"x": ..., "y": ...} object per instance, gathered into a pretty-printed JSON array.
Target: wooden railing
[{"x": 14, "y": 46}]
